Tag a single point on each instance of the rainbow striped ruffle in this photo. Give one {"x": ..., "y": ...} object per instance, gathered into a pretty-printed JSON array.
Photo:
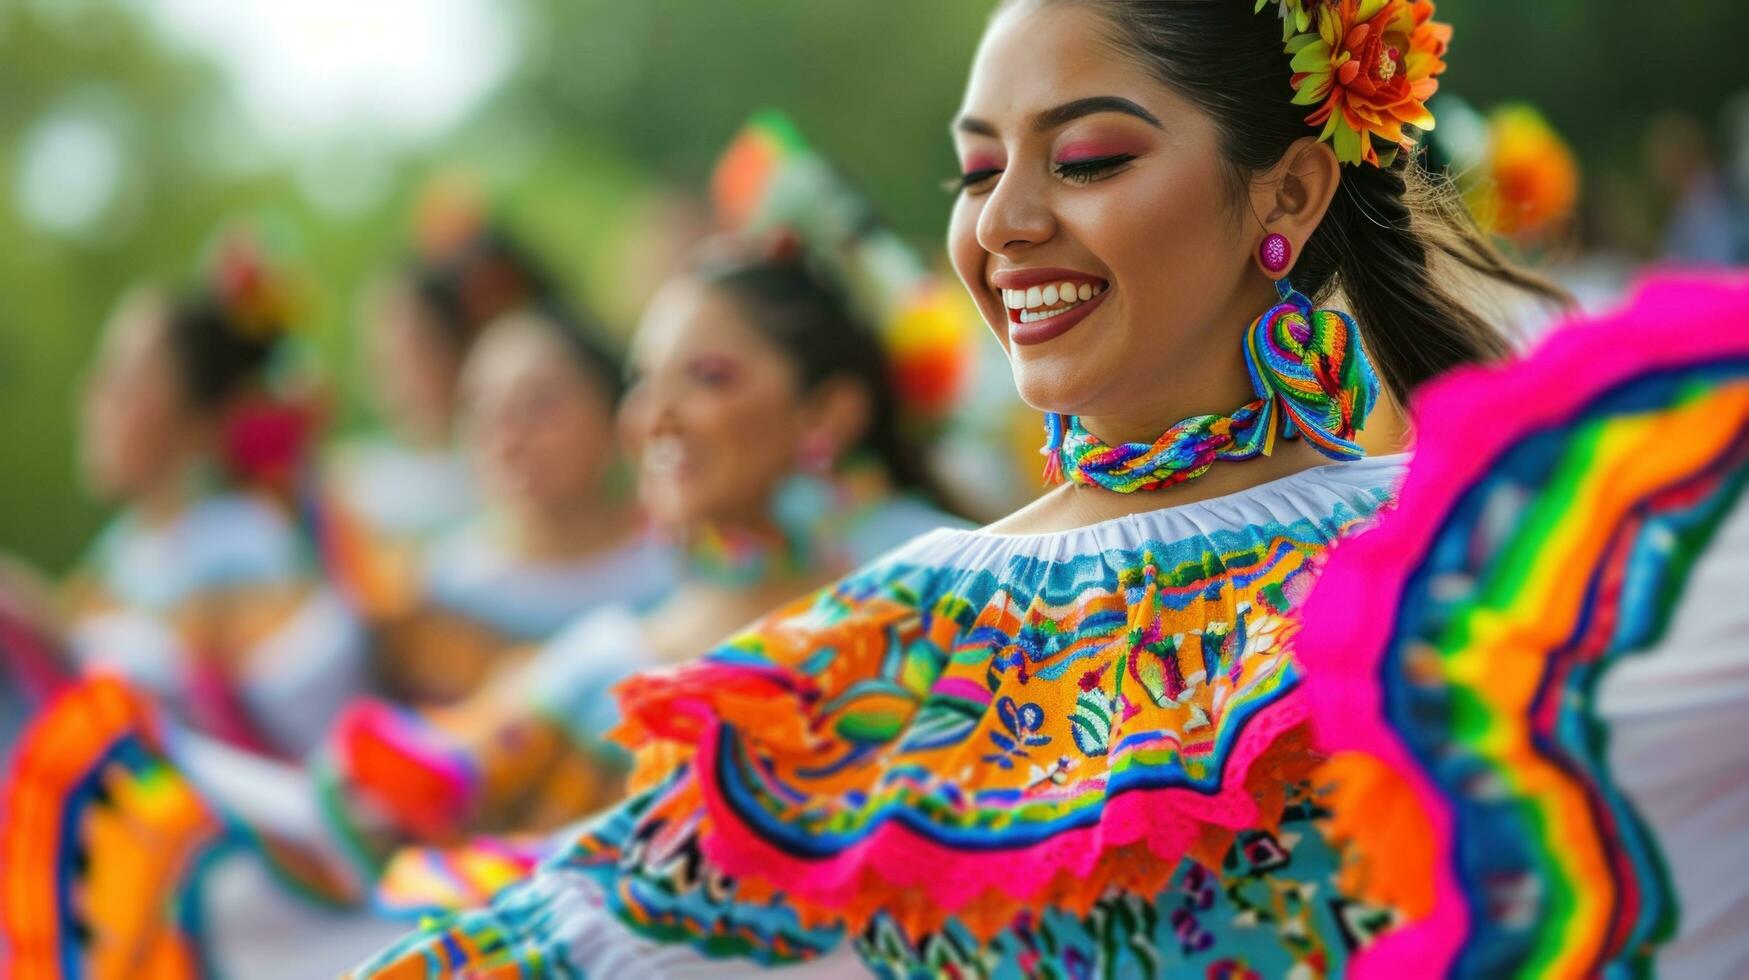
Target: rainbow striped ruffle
[{"x": 1544, "y": 532}]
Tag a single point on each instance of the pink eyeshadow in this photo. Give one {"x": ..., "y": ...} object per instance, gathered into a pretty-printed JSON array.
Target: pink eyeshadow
[
  {"x": 1091, "y": 150},
  {"x": 978, "y": 164}
]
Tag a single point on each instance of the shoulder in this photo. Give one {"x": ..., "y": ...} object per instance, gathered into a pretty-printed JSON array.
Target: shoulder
[{"x": 239, "y": 538}]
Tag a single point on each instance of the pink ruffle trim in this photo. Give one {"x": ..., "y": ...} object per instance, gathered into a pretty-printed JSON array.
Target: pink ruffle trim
[{"x": 1168, "y": 821}]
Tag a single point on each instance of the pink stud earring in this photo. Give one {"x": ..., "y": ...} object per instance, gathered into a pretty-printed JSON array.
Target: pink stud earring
[
  {"x": 1274, "y": 254},
  {"x": 816, "y": 454}
]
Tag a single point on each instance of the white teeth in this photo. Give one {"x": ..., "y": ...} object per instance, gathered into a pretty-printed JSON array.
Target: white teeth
[
  {"x": 664, "y": 454},
  {"x": 1033, "y": 316},
  {"x": 1036, "y": 298}
]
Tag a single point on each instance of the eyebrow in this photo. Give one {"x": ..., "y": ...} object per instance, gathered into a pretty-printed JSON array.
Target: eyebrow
[{"x": 1067, "y": 112}]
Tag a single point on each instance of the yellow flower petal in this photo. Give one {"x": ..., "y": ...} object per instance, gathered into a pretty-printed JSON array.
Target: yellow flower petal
[
  {"x": 1312, "y": 57},
  {"x": 1311, "y": 94},
  {"x": 1347, "y": 144}
]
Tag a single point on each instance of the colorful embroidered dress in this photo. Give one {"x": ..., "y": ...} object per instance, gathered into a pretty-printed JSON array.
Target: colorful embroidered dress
[
  {"x": 994, "y": 753},
  {"x": 379, "y": 507},
  {"x": 410, "y": 771}
]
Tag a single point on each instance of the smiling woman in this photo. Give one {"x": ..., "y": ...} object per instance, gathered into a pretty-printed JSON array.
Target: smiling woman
[
  {"x": 1078, "y": 742},
  {"x": 1072, "y": 743}
]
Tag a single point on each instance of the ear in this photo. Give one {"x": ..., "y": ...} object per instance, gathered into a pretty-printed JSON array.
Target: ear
[
  {"x": 839, "y": 413},
  {"x": 1291, "y": 197}
]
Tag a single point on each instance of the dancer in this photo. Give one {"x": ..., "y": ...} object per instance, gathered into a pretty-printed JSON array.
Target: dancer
[
  {"x": 199, "y": 590},
  {"x": 560, "y": 534},
  {"x": 1072, "y": 742},
  {"x": 771, "y": 446},
  {"x": 387, "y": 496}
]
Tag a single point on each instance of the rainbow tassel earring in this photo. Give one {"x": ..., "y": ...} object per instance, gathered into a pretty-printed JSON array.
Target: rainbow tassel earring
[
  {"x": 1308, "y": 365},
  {"x": 1312, "y": 379}
]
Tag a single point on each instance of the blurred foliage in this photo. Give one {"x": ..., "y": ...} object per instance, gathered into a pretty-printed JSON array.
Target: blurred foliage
[{"x": 610, "y": 102}]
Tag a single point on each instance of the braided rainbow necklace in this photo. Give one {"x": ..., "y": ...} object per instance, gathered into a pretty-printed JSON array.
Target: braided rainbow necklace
[{"x": 1312, "y": 380}]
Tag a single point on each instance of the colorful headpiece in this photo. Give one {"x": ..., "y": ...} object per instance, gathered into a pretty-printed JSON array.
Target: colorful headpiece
[
  {"x": 450, "y": 210},
  {"x": 261, "y": 301},
  {"x": 1369, "y": 66},
  {"x": 770, "y": 181}
]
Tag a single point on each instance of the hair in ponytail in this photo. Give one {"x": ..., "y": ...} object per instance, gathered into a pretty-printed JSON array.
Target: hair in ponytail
[{"x": 1395, "y": 240}]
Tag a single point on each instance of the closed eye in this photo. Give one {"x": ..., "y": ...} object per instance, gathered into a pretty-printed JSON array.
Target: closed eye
[
  {"x": 1098, "y": 168},
  {"x": 969, "y": 181}
]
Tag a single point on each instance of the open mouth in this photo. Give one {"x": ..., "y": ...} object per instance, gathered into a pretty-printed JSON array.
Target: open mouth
[
  {"x": 1036, "y": 303},
  {"x": 664, "y": 456}
]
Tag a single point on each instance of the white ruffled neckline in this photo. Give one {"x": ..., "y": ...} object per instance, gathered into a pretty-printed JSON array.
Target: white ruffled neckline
[{"x": 1315, "y": 493}]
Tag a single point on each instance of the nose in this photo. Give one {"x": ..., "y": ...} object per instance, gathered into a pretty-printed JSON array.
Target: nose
[
  {"x": 649, "y": 410},
  {"x": 1016, "y": 214}
]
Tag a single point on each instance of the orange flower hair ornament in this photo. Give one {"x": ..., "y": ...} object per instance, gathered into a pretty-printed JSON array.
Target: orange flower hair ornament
[{"x": 1367, "y": 67}]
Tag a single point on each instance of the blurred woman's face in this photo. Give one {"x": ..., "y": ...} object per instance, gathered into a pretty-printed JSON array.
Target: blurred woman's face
[
  {"x": 1093, "y": 227},
  {"x": 413, "y": 369},
  {"x": 715, "y": 411},
  {"x": 138, "y": 429},
  {"x": 539, "y": 428}
]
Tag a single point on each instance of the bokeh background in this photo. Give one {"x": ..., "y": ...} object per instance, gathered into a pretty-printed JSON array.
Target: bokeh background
[{"x": 131, "y": 129}]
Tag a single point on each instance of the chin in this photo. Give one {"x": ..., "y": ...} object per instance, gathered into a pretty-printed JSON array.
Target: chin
[{"x": 1055, "y": 384}]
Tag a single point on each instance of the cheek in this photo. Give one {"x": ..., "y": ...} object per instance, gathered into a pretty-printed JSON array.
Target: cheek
[
  {"x": 578, "y": 438},
  {"x": 1170, "y": 245},
  {"x": 726, "y": 416},
  {"x": 139, "y": 422},
  {"x": 970, "y": 262},
  {"x": 749, "y": 444}
]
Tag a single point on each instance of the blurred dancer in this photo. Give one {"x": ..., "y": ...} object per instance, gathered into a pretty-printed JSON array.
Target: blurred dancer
[
  {"x": 772, "y": 447},
  {"x": 560, "y": 533},
  {"x": 389, "y": 495},
  {"x": 200, "y": 589}
]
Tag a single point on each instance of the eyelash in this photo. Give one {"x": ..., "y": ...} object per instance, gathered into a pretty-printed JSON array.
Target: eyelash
[
  {"x": 1088, "y": 171},
  {"x": 965, "y": 182},
  {"x": 1075, "y": 172}
]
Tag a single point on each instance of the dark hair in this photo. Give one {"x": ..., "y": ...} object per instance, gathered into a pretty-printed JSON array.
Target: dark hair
[
  {"x": 1386, "y": 229},
  {"x": 466, "y": 288},
  {"x": 217, "y": 355},
  {"x": 810, "y": 318},
  {"x": 584, "y": 341}
]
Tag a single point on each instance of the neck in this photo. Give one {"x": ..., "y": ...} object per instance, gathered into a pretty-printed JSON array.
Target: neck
[
  {"x": 1216, "y": 384},
  {"x": 573, "y": 532},
  {"x": 741, "y": 556},
  {"x": 166, "y": 500}
]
